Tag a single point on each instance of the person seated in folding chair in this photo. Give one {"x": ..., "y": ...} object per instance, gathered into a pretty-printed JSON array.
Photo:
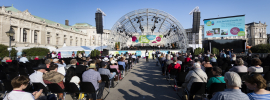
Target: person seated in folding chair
[
  {"x": 194, "y": 75},
  {"x": 53, "y": 76},
  {"x": 233, "y": 91},
  {"x": 105, "y": 71},
  {"x": 91, "y": 75},
  {"x": 37, "y": 76},
  {"x": 134, "y": 59},
  {"x": 19, "y": 83}
]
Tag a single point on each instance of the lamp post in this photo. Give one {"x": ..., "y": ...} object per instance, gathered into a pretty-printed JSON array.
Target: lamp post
[{"x": 10, "y": 33}]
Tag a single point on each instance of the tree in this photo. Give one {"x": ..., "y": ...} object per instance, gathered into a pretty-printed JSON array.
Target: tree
[
  {"x": 4, "y": 52},
  {"x": 261, "y": 48},
  {"x": 215, "y": 51},
  {"x": 36, "y": 51}
]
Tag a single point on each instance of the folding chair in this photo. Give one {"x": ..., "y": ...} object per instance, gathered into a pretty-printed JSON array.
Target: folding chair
[
  {"x": 71, "y": 88},
  {"x": 88, "y": 87},
  {"x": 121, "y": 68},
  {"x": 105, "y": 78},
  {"x": 115, "y": 70},
  {"x": 197, "y": 88},
  {"x": 55, "y": 88},
  {"x": 7, "y": 86},
  {"x": 38, "y": 86},
  {"x": 216, "y": 87}
]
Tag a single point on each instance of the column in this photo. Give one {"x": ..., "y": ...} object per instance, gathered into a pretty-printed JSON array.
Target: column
[
  {"x": 29, "y": 36},
  {"x": 32, "y": 36},
  {"x": 18, "y": 34},
  {"x": 21, "y": 35}
]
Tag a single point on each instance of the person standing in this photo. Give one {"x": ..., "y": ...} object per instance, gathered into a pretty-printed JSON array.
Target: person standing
[
  {"x": 153, "y": 54},
  {"x": 146, "y": 55},
  {"x": 59, "y": 55},
  {"x": 23, "y": 59},
  {"x": 49, "y": 55},
  {"x": 73, "y": 55}
]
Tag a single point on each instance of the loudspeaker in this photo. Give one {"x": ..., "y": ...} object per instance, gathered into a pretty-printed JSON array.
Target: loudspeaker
[
  {"x": 99, "y": 23},
  {"x": 196, "y": 22},
  {"x": 105, "y": 52}
]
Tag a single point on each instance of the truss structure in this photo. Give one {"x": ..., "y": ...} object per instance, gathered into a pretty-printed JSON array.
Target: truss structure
[{"x": 148, "y": 22}]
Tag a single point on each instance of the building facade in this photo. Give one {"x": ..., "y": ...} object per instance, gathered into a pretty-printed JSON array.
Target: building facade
[
  {"x": 255, "y": 34},
  {"x": 34, "y": 31}
]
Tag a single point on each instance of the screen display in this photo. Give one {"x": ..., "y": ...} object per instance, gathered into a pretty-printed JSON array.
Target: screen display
[
  {"x": 147, "y": 39},
  {"x": 223, "y": 27}
]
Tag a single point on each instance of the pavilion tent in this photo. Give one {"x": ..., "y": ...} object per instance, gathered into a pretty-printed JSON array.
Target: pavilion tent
[{"x": 67, "y": 50}]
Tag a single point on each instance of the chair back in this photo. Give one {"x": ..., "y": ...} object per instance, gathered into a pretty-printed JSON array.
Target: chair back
[
  {"x": 104, "y": 77},
  {"x": 181, "y": 76},
  {"x": 267, "y": 76},
  {"x": 71, "y": 88},
  {"x": 38, "y": 86},
  {"x": 7, "y": 85},
  {"x": 241, "y": 74},
  {"x": 113, "y": 70},
  {"x": 174, "y": 71},
  {"x": 55, "y": 88},
  {"x": 87, "y": 87},
  {"x": 216, "y": 87},
  {"x": 121, "y": 67},
  {"x": 197, "y": 88}
]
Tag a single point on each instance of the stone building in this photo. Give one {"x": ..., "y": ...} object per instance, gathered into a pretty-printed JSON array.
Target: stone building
[
  {"x": 34, "y": 31},
  {"x": 255, "y": 34}
]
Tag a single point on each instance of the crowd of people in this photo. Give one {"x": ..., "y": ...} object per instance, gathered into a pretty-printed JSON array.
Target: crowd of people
[
  {"x": 57, "y": 71},
  {"x": 131, "y": 47},
  {"x": 246, "y": 77}
]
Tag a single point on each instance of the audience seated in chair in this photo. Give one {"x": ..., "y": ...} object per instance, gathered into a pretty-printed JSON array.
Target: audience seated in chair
[
  {"x": 19, "y": 83},
  {"x": 217, "y": 77},
  {"x": 54, "y": 77},
  {"x": 91, "y": 75},
  {"x": 256, "y": 83},
  {"x": 233, "y": 83}
]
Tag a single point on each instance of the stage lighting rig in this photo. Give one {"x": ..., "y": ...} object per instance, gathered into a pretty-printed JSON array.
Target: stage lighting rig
[
  {"x": 155, "y": 19},
  {"x": 139, "y": 20}
]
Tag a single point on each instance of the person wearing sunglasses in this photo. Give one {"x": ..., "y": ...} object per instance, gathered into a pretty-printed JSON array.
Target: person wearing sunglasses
[{"x": 256, "y": 83}]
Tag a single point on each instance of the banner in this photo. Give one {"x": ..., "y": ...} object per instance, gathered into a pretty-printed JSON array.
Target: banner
[
  {"x": 147, "y": 39},
  {"x": 226, "y": 26}
]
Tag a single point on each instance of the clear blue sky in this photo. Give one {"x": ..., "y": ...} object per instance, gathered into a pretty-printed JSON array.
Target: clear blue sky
[{"x": 83, "y": 11}]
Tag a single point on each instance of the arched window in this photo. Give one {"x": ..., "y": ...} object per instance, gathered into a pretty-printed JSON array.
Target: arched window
[
  {"x": 35, "y": 37},
  {"x": 24, "y": 35},
  {"x": 260, "y": 34}
]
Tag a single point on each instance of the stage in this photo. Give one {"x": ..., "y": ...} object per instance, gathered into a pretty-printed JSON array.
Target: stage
[{"x": 142, "y": 52}]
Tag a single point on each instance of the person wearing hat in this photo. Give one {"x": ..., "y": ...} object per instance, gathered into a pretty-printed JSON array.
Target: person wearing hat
[
  {"x": 91, "y": 75},
  {"x": 36, "y": 77},
  {"x": 61, "y": 67}
]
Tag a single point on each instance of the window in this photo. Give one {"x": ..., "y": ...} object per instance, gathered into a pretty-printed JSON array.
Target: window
[
  {"x": 260, "y": 34},
  {"x": 64, "y": 35},
  {"x": 48, "y": 32},
  {"x": 48, "y": 40},
  {"x": 35, "y": 37},
  {"x": 70, "y": 42},
  {"x": 76, "y": 43},
  {"x": 70, "y": 36},
  {"x": 56, "y": 41},
  {"x": 24, "y": 35},
  {"x": 65, "y": 40},
  {"x": 56, "y": 34}
]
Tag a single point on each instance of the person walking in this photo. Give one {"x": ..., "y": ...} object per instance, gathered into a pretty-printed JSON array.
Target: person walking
[
  {"x": 146, "y": 55},
  {"x": 153, "y": 54}
]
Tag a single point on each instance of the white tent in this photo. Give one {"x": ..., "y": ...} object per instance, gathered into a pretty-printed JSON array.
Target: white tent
[{"x": 67, "y": 51}]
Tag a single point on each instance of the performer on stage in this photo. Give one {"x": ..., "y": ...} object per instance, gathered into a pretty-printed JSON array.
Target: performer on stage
[{"x": 146, "y": 55}]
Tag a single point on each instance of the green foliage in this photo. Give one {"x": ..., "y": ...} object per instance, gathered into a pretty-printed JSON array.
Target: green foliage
[
  {"x": 197, "y": 51},
  {"x": 36, "y": 51},
  {"x": 202, "y": 50},
  {"x": 95, "y": 53},
  {"x": 4, "y": 52},
  {"x": 215, "y": 51},
  {"x": 80, "y": 52},
  {"x": 261, "y": 48}
]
